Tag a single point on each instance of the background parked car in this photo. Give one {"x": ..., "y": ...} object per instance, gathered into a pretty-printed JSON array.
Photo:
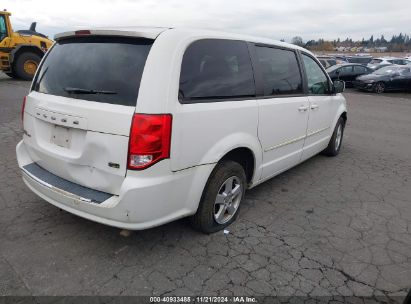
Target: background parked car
[
  {"x": 361, "y": 59},
  {"x": 391, "y": 78},
  {"x": 347, "y": 72},
  {"x": 327, "y": 61},
  {"x": 378, "y": 63}
]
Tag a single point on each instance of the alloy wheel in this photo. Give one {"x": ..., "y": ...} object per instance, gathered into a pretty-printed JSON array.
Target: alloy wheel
[
  {"x": 379, "y": 88},
  {"x": 228, "y": 200},
  {"x": 338, "y": 137}
]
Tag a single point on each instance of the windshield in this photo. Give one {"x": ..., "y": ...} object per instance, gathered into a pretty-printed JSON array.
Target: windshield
[
  {"x": 101, "y": 69},
  {"x": 388, "y": 70},
  {"x": 3, "y": 29}
]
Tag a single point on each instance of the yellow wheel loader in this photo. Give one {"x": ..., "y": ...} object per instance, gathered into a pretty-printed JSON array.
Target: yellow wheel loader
[{"x": 20, "y": 51}]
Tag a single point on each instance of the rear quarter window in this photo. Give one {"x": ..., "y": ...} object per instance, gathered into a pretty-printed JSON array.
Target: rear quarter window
[
  {"x": 216, "y": 70},
  {"x": 100, "y": 69}
]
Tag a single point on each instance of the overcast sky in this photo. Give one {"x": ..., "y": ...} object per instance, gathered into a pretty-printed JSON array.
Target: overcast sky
[{"x": 276, "y": 19}]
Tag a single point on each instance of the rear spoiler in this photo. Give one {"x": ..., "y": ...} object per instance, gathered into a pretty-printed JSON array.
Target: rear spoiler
[{"x": 150, "y": 33}]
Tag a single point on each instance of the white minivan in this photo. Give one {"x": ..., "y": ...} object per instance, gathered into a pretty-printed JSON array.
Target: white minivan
[{"x": 138, "y": 127}]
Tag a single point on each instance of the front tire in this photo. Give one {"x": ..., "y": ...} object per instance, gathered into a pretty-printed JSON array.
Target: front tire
[
  {"x": 379, "y": 87},
  {"x": 334, "y": 145},
  {"x": 26, "y": 65},
  {"x": 11, "y": 74},
  {"x": 221, "y": 199}
]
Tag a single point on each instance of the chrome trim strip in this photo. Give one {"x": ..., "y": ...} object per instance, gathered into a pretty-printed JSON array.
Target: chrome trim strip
[
  {"x": 288, "y": 142},
  {"x": 43, "y": 183},
  {"x": 285, "y": 143},
  {"x": 317, "y": 131}
]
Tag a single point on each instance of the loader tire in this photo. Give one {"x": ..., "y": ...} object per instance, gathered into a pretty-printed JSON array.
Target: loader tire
[{"x": 26, "y": 65}]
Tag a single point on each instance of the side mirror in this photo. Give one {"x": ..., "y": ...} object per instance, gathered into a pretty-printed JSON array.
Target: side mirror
[{"x": 339, "y": 86}]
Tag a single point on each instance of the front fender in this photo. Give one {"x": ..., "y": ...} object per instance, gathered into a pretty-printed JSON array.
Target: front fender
[
  {"x": 32, "y": 47},
  {"x": 342, "y": 108}
]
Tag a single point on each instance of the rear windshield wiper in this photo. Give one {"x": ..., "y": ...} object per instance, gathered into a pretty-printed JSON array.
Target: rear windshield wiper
[{"x": 86, "y": 91}]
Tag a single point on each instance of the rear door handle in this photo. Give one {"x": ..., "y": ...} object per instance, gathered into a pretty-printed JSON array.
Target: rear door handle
[
  {"x": 303, "y": 108},
  {"x": 314, "y": 106}
]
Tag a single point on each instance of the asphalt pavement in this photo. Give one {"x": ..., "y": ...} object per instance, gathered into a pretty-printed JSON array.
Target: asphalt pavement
[{"x": 330, "y": 226}]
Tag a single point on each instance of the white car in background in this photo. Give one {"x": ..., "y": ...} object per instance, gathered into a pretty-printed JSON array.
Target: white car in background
[
  {"x": 378, "y": 63},
  {"x": 138, "y": 127}
]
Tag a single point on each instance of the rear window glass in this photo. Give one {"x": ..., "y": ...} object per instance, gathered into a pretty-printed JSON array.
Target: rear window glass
[
  {"x": 215, "y": 69},
  {"x": 280, "y": 71},
  {"x": 100, "y": 69}
]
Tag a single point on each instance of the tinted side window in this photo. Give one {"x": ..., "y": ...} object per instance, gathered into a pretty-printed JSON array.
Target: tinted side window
[
  {"x": 317, "y": 81},
  {"x": 216, "y": 69},
  {"x": 345, "y": 70},
  {"x": 360, "y": 69},
  {"x": 280, "y": 71}
]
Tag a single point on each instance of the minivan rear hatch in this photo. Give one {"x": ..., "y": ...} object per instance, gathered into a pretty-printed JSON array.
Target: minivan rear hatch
[{"x": 78, "y": 115}]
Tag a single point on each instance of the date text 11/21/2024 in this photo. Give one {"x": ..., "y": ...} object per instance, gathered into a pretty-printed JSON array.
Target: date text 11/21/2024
[{"x": 203, "y": 299}]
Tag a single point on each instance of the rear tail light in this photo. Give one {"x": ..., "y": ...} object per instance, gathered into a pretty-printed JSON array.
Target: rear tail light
[
  {"x": 23, "y": 106},
  {"x": 150, "y": 138}
]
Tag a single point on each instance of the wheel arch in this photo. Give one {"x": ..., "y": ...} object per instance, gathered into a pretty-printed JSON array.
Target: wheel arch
[
  {"x": 22, "y": 48},
  {"x": 237, "y": 147},
  {"x": 344, "y": 116},
  {"x": 342, "y": 112},
  {"x": 245, "y": 157}
]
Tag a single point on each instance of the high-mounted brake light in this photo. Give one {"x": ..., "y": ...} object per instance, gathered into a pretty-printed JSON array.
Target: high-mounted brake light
[
  {"x": 82, "y": 32},
  {"x": 23, "y": 106},
  {"x": 150, "y": 138}
]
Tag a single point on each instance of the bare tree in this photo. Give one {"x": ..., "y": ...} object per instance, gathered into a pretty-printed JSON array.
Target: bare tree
[{"x": 297, "y": 40}]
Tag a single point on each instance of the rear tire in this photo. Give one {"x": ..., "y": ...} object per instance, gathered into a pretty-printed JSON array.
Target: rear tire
[
  {"x": 221, "y": 199},
  {"x": 334, "y": 145},
  {"x": 379, "y": 87},
  {"x": 26, "y": 65}
]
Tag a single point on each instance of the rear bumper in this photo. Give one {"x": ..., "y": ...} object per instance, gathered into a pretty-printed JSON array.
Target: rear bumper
[{"x": 147, "y": 198}]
